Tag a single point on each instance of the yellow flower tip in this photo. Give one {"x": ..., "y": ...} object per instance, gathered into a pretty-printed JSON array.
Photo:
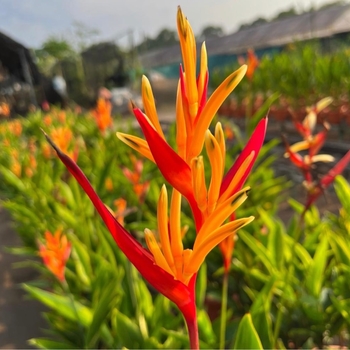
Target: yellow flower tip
[
  {"x": 124, "y": 137},
  {"x": 243, "y": 68},
  {"x": 181, "y": 22},
  {"x": 145, "y": 86},
  {"x": 163, "y": 193},
  {"x": 209, "y": 140}
]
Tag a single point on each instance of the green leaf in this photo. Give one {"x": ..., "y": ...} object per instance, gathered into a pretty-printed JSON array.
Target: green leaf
[
  {"x": 62, "y": 305},
  {"x": 261, "y": 252},
  {"x": 247, "y": 336},
  {"x": 100, "y": 313},
  {"x": 9, "y": 177},
  {"x": 128, "y": 333},
  {"x": 43, "y": 343},
  {"x": 261, "y": 112},
  {"x": 82, "y": 261},
  {"x": 316, "y": 272},
  {"x": 342, "y": 189},
  {"x": 205, "y": 327}
]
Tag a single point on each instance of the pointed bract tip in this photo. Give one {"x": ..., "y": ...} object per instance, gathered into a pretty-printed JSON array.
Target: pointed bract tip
[
  {"x": 49, "y": 140},
  {"x": 132, "y": 105}
]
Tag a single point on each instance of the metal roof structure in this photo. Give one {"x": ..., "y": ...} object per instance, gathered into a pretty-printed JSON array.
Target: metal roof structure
[
  {"x": 14, "y": 56},
  {"x": 323, "y": 23}
]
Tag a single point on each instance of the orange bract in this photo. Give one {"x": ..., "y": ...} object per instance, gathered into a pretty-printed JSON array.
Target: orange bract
[
  {"x": 55, "y": 252},
  {"x": 102, "y": 114}
]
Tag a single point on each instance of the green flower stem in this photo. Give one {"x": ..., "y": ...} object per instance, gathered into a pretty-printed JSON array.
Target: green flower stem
[{"x": 223, "y": 315}]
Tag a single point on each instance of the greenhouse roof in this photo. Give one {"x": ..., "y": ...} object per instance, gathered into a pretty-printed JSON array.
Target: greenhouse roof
[{"x": 317, "y": 24}]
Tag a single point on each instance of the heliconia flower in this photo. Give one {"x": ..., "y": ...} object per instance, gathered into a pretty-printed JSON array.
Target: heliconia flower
[
  {"x": 102, "y": 114},
  {"x": 305, "y": 163},
  {"x": 16, "y": 168},
  {"x": 228, "y": 132},
  {"x": 134, "y": 176},
  {"x": 184, "y": 168},
  {"x": 15, "y": 127},
  {"x": 62, "y": 136},
  {"x": 109, "y": 184},
  {"x": 307, "y": 126},
  {"x": 168, "y": 267},
  {"x": 119, "y": 213},
  {"x": 316, "y": 189},
  {"x": 55, "y": 253},
  {"x": 47, "y": 120},
  {"x": 5, "y": 109},
  {"x": 62, "y": 116},
  {"x": 252, "y": 62}
]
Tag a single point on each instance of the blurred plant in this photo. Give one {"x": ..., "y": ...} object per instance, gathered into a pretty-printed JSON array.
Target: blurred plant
[{"x": 312, "y": 144}]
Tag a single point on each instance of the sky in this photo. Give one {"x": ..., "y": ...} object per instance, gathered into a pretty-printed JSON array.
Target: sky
[{"x": 32, "y": 21}]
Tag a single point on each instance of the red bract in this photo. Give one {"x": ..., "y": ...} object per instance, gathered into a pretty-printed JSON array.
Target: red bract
[{"x": 317, "y": 189}]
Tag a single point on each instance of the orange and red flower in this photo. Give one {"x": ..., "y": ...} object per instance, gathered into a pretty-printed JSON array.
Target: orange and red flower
[{"x": 166, "y": 264}]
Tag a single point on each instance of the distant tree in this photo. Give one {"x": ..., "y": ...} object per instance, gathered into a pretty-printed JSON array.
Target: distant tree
[
  {"x": 256, "y": 22},
  {"x": 166, "y": 37},
  {"x": 211, "y": 32},
  {"x": 332, "y": 3},
  {"x": 285, "y": 14},
  {"x": 56, "y": 47}
]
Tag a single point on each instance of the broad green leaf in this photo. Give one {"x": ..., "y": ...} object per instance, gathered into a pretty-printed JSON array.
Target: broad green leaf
[
  {"x": 247, "y": 336},
  {"x": 62, "y": 305},
  {"x": 315, "y": 274},
  {"x": 9, "y": 177},
  {"x": 205, "y": 327},
  {"x": 127, "y": 332}
]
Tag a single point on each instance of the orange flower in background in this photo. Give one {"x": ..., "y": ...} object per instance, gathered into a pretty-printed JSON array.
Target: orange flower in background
[
  {"x": 5, "y": 109},
  {"x": 109, "y": 184},
  {"x": 46, "y": 150},
  {"x": 120, "y": 211},
  {"x": 62, "y": 136},
  {"x": 16, "y": 168},
  {"x": 47, "y": 120},
  {"x": 102, "y": 114},
  {"x": 228, "y": 132},
  {"x": 55, "y": 253},
  {"x": 15, "y": 127},
  {"x": 134, "y": 176},
  {"x": 62, "y": 117},
  {"x": 252, "y": 62}
]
